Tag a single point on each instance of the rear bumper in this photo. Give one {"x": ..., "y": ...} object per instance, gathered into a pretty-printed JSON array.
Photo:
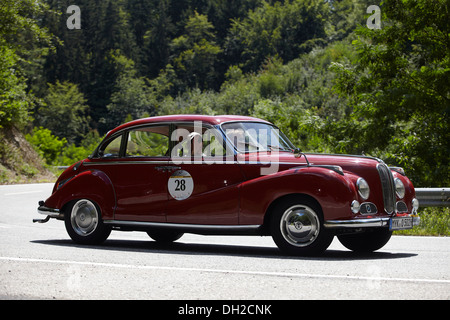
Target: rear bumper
[
  {"x": 49, "y": 212},
  {"x": 364, "y": 223},
  {"x": 53, "y": 213}
]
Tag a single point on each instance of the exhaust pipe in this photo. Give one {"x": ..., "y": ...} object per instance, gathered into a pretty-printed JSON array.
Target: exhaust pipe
[{"x": 41, "y": 220}]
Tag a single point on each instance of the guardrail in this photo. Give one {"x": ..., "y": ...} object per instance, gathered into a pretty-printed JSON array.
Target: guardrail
[{"x": 433, "y": 197}]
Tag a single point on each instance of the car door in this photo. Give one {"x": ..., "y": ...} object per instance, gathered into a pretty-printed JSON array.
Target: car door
[
  {"x": 204, "y": 188},
  {"x": 138, "y": 173}
]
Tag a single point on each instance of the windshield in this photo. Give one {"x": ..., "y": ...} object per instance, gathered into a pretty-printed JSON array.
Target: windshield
[{"x": 256, "y": 136}]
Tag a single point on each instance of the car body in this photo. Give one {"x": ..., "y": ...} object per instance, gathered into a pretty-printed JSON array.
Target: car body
[{"x": 169, "y": 175}]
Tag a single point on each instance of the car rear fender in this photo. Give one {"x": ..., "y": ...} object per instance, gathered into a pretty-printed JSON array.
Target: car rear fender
[{"x": 93, "y": 185}]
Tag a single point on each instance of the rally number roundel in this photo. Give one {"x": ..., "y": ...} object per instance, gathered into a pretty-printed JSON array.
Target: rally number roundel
[{"x": 180, "y": 185}]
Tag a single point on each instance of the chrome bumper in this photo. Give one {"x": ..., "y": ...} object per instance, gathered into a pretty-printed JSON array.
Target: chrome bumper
[
  {"x": 364, "y": 223},
  {"x": 49, "y": 212}
]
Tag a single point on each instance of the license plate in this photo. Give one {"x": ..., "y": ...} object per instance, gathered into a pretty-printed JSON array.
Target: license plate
[{"x": 400, "y": 223}]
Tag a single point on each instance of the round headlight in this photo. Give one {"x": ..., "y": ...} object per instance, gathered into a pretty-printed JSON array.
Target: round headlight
[
  {"x": 363, "y": 188},
  {"x": 399, "y": 188}
]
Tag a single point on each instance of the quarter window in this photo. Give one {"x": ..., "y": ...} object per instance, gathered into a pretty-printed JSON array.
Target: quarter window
[{"x": 112, "y": 149}]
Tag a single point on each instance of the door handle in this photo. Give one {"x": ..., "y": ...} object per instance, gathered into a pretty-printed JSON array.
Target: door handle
[{"x": 167, "y": 168}]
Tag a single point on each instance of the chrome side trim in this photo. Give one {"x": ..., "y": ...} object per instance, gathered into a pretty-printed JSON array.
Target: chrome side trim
[
  {"x": 190, "y": 228},
  {"x": 87, "y": 164},
  {"x": 357, "y": 223}
]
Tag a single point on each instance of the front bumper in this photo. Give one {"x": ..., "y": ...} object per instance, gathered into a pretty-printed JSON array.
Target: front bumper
[{"x": 365, "y": 223}]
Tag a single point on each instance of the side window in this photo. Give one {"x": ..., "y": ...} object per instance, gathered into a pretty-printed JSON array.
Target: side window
[
  {"x": 112, "y": 149},
  {"x": 148, "y": 142},
  {"x": 197, "y": 141}
]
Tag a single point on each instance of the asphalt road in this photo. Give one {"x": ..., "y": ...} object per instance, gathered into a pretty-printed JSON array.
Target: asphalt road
[{"x": 39, "y": 261}]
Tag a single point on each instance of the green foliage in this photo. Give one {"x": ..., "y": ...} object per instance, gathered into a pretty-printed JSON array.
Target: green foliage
[
  {"x": 47, "y": 145},
  {"x": 297, "y": 63},
  {"x": 14, "y": 103},
  {"x": 73, "y": 153},
  {"x": 433, "y": 222},
  {"x": 195, "y": 52},
  {"x": 280, "y": 29},
  {"x": 399, "y": 90},
  {"x": 64, "y": 112},
  {"x": 57, "y": 152},
  {"x": 132, "y": 96},
  {"x": 19, "y": 31}
]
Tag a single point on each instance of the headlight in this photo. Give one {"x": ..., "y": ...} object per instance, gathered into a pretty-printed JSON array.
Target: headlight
[
  {"x": 399, "y": 188},
  {"x": 363, "y": 188}
]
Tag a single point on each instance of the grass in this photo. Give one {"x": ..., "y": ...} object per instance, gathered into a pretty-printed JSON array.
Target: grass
[{"x": 433, "y": 222}]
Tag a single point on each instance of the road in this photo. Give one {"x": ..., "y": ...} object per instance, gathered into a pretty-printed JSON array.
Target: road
[{"x": 39, "y": 261}]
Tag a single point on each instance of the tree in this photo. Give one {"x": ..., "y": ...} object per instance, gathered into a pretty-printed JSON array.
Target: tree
[
  {"x": 281, "y": 29},
  {"x": 399, "y": 90},
  {"x": 132, "y": 96},
  {"x": 64, "y": 112},
  {"x": 22, "y": 43},
  {"x": 195, "y": 53}
]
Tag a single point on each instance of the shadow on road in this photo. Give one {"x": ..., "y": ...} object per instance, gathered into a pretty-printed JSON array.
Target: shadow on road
[{"x": 222, "y": 250}]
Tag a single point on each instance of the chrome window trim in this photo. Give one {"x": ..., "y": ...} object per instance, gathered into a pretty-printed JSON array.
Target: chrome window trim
[{"x": 123, "y": 162}]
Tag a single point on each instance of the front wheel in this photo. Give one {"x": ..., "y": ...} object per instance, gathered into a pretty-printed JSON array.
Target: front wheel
[
  {"x": 84, "y": 223},
  {"x": 368, "y": 241},
  {"x": 297, "y": 228}
]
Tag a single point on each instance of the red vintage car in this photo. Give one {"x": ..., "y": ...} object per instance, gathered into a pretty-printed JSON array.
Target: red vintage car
[{"x": 229, "y": 175}]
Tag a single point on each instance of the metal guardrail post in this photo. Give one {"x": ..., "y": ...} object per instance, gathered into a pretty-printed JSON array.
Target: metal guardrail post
[{"x": 433, "y": 197}]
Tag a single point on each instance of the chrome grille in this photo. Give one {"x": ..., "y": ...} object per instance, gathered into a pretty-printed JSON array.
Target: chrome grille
[{"x": 388, "y": 187}]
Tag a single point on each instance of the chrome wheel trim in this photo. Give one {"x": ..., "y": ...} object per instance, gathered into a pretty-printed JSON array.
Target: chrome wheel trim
[
  {"x": 300, "y": 225},
  {"x": 84, "y": 217}
]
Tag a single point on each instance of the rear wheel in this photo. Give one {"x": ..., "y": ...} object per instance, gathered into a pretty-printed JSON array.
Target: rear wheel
[
  {"x": 84, "y": 223},
  {"x": 368, "y": 241},
  {"x": 165, "y": 236},
  {"x": 297, "y": 228}
]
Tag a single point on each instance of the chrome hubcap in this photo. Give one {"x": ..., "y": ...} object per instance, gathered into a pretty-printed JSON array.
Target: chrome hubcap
[
  {"x": 84, "y": 217},
  {"x": 300, "y": 225}
]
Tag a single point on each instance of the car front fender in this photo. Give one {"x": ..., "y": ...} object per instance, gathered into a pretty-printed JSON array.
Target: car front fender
[{"x": 333, "y": 191}]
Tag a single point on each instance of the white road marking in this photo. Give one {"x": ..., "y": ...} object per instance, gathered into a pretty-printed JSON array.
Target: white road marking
[
  {"x": 23, "y": 192},
  {"x": 264, "y": 273}
]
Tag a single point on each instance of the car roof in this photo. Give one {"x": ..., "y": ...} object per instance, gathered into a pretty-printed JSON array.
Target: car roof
[{"x": 213, "y": 120}]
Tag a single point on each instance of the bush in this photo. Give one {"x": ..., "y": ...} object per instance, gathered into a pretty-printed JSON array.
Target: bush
[
  {"x": 46, "y": 144},
  {"x": 433, "y": 222}
]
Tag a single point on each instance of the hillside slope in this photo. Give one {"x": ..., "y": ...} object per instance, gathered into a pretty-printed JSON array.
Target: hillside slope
[{"x": 19, "y": 162}]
